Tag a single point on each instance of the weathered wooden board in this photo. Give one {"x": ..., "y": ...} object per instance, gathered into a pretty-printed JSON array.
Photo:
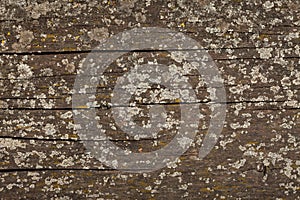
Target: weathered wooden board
[{"x": 256, "y": 47}]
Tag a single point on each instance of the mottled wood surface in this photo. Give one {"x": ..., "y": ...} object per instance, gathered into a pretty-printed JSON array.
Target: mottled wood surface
[{"x": 256, "y": 46}]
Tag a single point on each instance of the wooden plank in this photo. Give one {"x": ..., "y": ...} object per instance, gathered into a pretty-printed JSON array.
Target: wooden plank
[
  {"x": 255, "y": 45},
  {"x": 216, "y": 28}
]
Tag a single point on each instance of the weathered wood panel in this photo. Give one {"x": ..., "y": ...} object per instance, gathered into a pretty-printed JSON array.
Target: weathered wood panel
[{"x": 255, "y": 45}]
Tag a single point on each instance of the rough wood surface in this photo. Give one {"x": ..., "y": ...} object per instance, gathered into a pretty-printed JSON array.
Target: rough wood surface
[{"x": 255, "y": 45}]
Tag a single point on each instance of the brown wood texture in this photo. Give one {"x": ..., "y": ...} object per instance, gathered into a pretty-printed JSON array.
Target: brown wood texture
[{"x": 256, "y": 47}]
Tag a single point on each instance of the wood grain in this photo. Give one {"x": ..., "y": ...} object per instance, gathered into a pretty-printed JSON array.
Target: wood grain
[{"x": 255, "y": 45}]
